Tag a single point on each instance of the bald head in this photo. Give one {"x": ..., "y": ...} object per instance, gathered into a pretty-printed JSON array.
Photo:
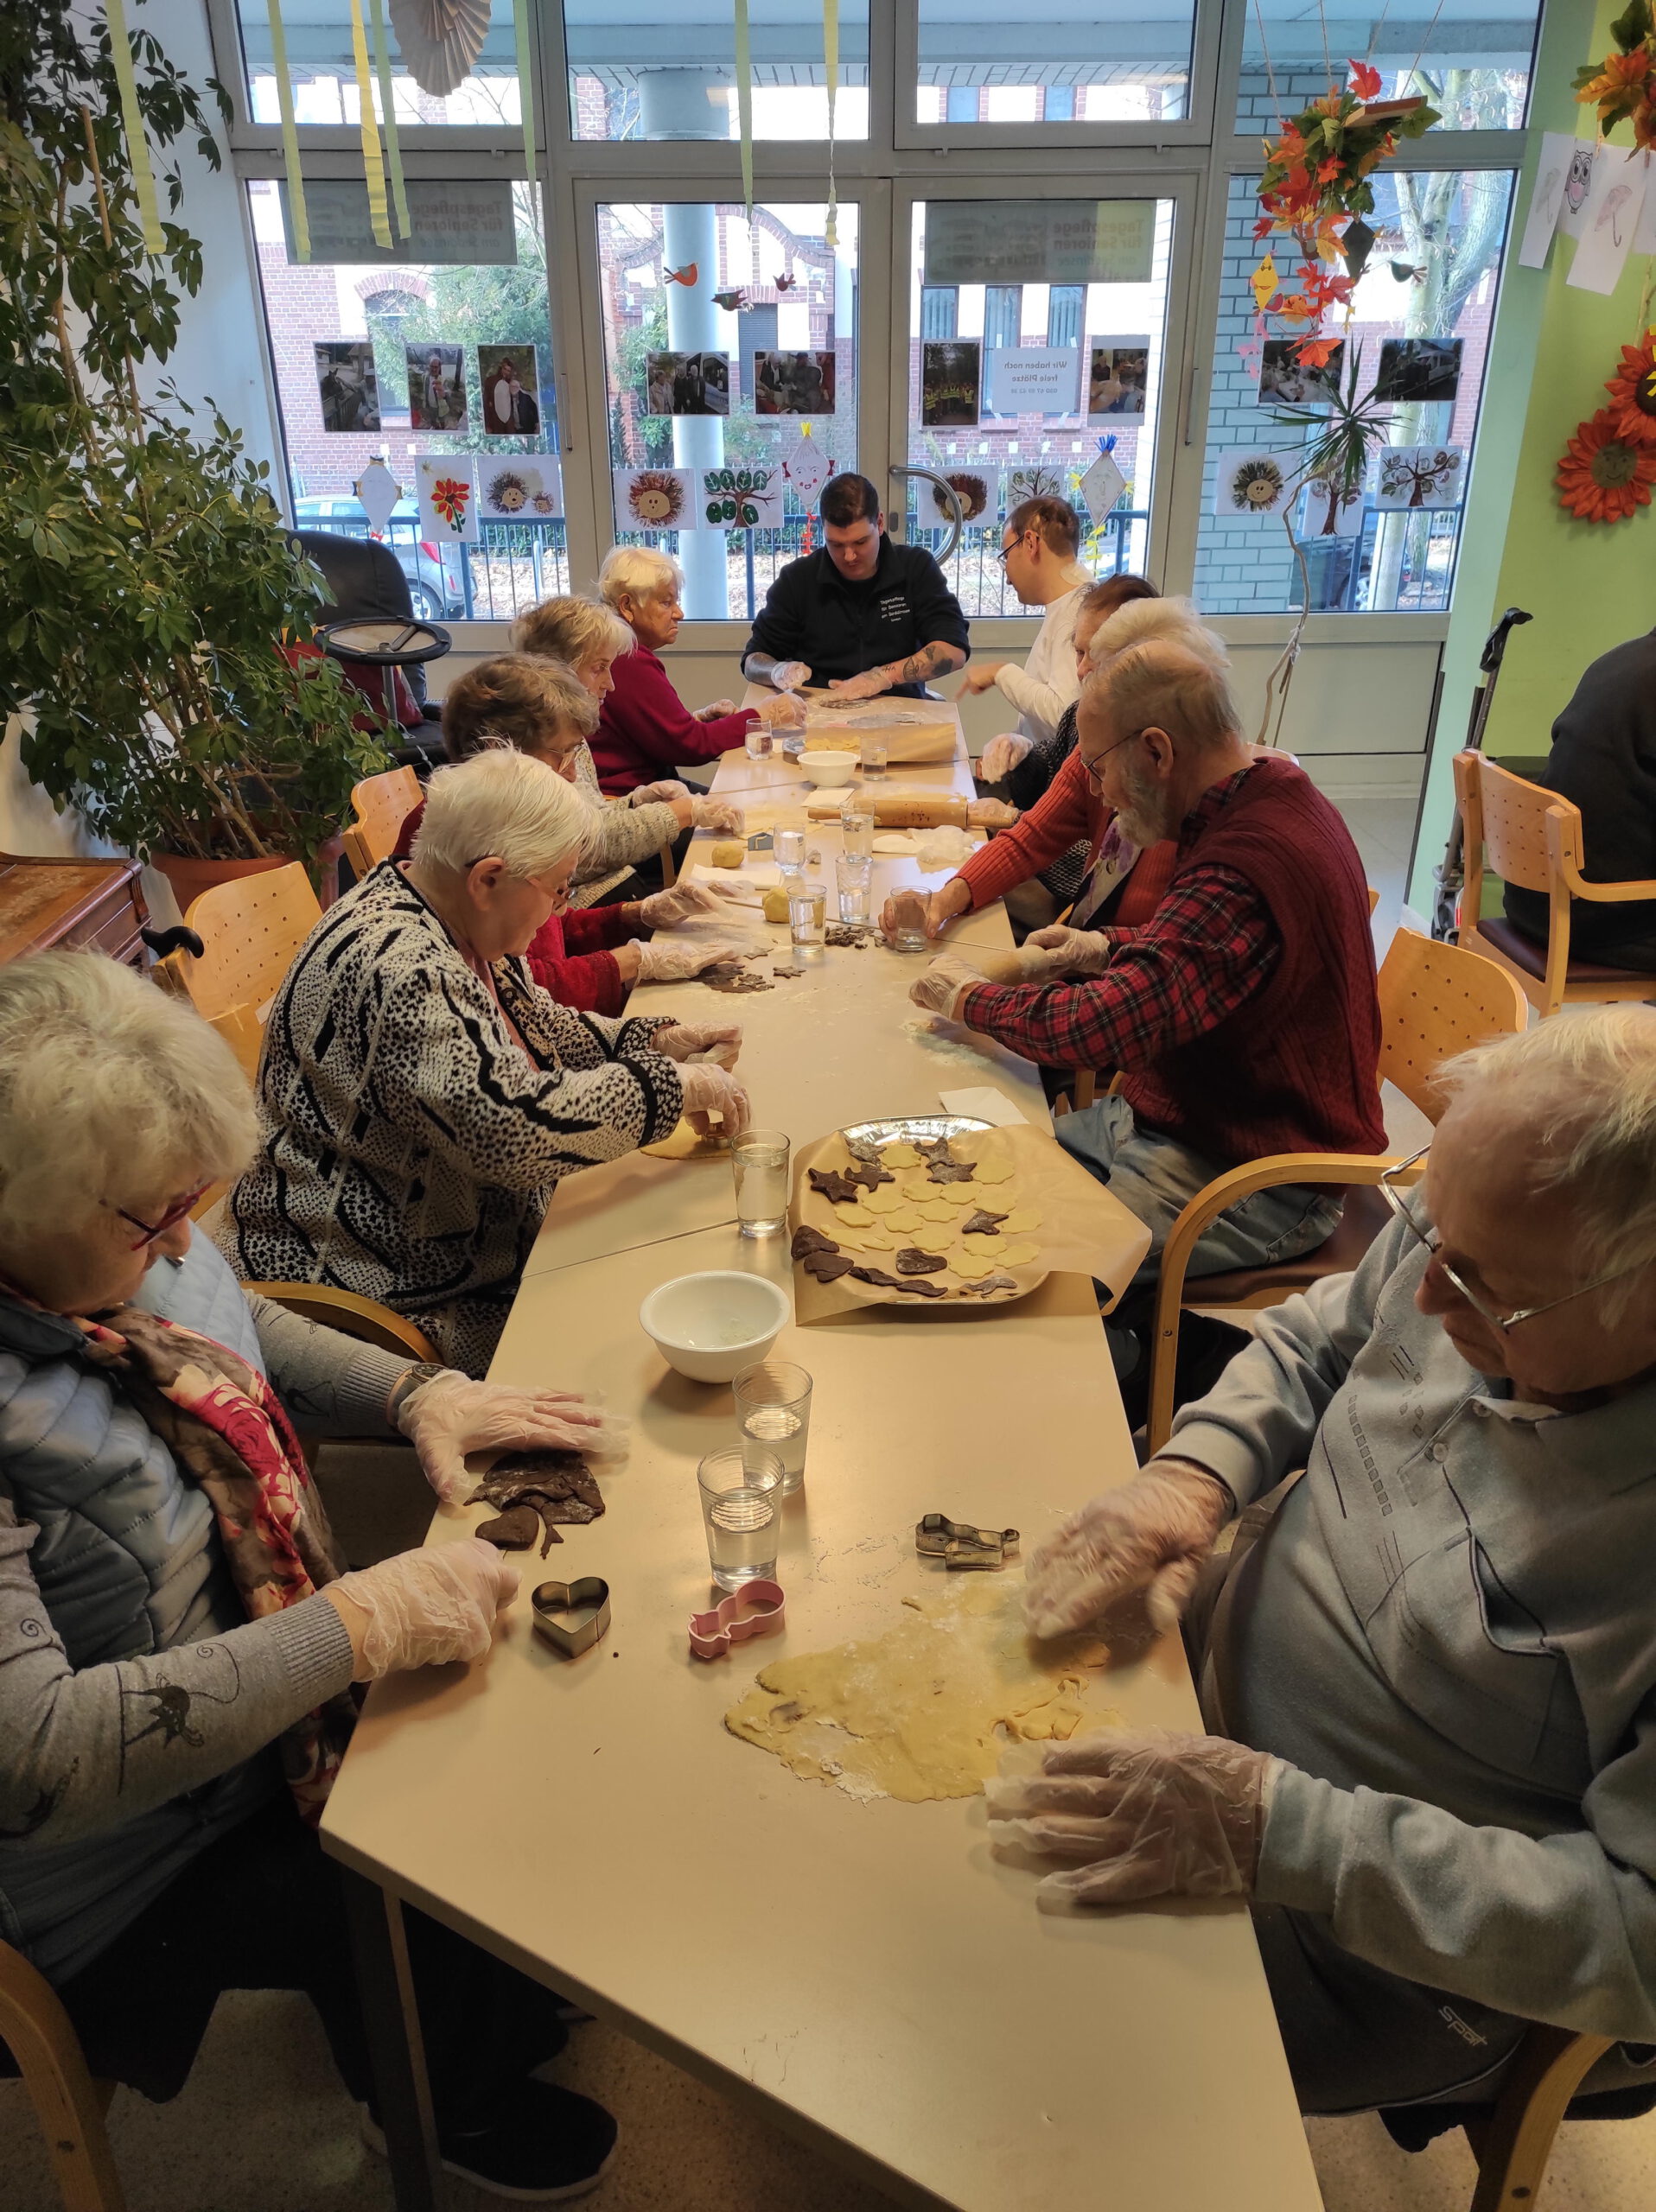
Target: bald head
[
  {"x": 1170, "y": 684},
  {"x": 1155, "y": 727}
]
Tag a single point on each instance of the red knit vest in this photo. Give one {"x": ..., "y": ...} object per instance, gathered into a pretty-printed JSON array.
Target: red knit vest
[{"x": 1298, "y": 1068}]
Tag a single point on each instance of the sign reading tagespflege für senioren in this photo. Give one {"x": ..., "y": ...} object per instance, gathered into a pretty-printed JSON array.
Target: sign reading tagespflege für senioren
[
  {"x": 1039, "y": 241},
  {"x": 452, "y": 223}
]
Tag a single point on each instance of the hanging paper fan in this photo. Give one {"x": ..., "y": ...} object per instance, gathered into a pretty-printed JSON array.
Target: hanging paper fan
[{"x": 440, "y": 39}]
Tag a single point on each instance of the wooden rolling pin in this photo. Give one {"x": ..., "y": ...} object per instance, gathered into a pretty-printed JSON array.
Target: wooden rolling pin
[{"x": 898, "y": 810}]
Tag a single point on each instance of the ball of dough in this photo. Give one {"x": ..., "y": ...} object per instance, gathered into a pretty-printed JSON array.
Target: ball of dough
[
  {"x": 776, "y": 904},
  {"x": 729, "y": 852}
]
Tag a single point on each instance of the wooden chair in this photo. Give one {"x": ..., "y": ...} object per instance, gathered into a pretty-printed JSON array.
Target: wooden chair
[
  {"x": 383, "y": 804},
  {"x": 1533, "y": 838},
  {"x": 361, "y": 1318},
  {"x": 1512, "y": 2143},
  {"x": 68, "y": 2104},
  {"x": 1436, "y": 1001}
]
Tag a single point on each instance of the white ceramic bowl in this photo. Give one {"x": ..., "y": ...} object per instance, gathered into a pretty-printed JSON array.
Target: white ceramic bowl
[
  {"x": 709, "y": 1326},
  {"x": 829, "y": 768}
]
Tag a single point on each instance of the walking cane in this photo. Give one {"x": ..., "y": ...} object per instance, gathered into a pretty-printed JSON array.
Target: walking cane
[{"x": 1451, "y": 876}]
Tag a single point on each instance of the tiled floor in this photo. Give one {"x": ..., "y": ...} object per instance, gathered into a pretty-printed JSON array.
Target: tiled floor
[{"x": 265, "y": 2125}]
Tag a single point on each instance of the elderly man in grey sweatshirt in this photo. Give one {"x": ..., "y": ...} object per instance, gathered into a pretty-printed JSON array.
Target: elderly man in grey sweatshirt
[{"x": 1429, "y": 1660}]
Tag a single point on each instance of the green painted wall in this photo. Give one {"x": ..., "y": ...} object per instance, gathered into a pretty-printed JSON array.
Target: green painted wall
[{"x": 1588, "y": 585}]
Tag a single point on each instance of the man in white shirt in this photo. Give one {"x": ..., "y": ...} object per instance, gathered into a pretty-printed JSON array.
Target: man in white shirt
[{"x": 1038, "y": 550}]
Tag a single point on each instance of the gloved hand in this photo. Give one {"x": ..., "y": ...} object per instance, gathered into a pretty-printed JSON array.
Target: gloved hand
[
  {"x": 941, "y": 987},
  {"x": 788, "y": 675},
  {"x": 935, "y": 910},
  {"x": 674, "y": 959},
  {"x": 655, "y": 794},
  {"x": 709, "y": 1088},
  {"x": 694, "y": 1040},
  {"x": 1002, "y": 754},
  {"x": 870, "y": 684},
  {"x": 690, "y": 895},
  {"x": 1070, "y": 952},
  {"x": 713, "y": 709},
  {"x": 784, "y": 713},
  {"x": 991, "y": 814},
  {"x": 422, "y": 1609},
  {"x": 718, "y": 814},
  {"x": 1140, "y": 1814},
  {"x": 450, "y": 1415},
  {"x": 1152, "y": 1534}
]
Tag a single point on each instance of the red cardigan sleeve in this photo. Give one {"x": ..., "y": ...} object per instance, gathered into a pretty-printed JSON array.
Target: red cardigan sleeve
[
  {"x": 646, "y": 731},
  {"x": 598, "y": 929},
  {"x": 589, "y": 982},
  {"x": 1065, "y": 814}
]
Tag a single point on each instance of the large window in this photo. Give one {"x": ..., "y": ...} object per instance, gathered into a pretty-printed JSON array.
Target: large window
[
  {"x": 478, "y": 78},
  {"x": 1421, "y": 332},
  {"x": 647, "y": 69},
  {"x": 1067, "y": 61},
  {"x": 1469, "y": 58}
]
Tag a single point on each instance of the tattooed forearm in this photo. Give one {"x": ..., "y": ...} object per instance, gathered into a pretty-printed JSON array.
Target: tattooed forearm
[{"x": 930, "y": 660}]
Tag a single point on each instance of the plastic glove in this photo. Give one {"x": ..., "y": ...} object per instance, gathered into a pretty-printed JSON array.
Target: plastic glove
[
  {"x": 675, "y": 959},
  {"x": 718, "y": 814},
  {"x": 714, "y": 711},
  {"x": 450, "y": 1415},
  {"x": 422, "y": 1609},
  {"x": 933, "y": 910},
  {"x": 991, "y": 814},
  {"x": 1141, "y": 1813},
  {"x": 941, "y": 988},
  {"x": 694, "y": 1040},
  {"x": 690, "y": 895},
  {"x": 788, "y": 675},
  {"x": 872, "y": 683},
  {"x": 710, "y": 1089},
  {"x": 655, "y": 794},
  {"x": 1002, "y": 754},
  {"x": 1071, "y": 953},
  {"x": 784, "y": 713},
  {"x": 1152, "y": 1534}
]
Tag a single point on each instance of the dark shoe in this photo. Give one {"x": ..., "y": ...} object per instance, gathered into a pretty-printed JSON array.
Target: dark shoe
[{"x": 548, "y": 2145}]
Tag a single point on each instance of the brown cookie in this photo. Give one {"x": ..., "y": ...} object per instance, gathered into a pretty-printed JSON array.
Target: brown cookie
[
  {"x": 514, "y": 1531},
  {"x": 990, "y": 1285},
  {"x": 879, "y": 1278},
  {"x": 870, "y": 1175},
  {"x": 824, "y": 1267},
  {"x": 911, "y": 1261},
  {"x": 982, "y": 1224},
  {"x": 806, "y": 1239},
  {"x": 834, "y": 1185},
  {"x": 918, "y": 1287},
  {"x": 949, "y": 1171}
]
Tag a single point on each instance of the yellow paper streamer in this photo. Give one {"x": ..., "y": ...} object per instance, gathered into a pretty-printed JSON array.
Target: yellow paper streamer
[
  {"x": 373, "y": 166},
  {"x": 745, "y": 104},
  {"x": 526, "y": 84},
  {"x": 831, "y": 71},
  {"x": 297, "y": 213},
  {"x": 388, "y": 113},
  {"x": 137, "y": 146}
]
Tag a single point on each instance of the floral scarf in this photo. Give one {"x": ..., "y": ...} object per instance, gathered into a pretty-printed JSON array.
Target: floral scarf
[{"x": 228, "y": 1434}]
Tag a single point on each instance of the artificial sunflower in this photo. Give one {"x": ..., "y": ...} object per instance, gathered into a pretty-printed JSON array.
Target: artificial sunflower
[
  {"x": 1602, "y": 478},
  {"x": 1632, "y": 393}
]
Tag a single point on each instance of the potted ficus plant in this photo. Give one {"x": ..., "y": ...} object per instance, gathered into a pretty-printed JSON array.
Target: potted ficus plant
[{"x": 154, "y": 611}]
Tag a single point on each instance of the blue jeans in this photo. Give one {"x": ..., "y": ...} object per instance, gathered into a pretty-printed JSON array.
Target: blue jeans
[{"x": 1156, "y": 1179}]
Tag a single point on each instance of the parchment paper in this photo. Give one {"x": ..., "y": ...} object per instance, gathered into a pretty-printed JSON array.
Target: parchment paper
[
  {"x": 1083, "y": 1230},
  {"x": 915, "y": 733}
]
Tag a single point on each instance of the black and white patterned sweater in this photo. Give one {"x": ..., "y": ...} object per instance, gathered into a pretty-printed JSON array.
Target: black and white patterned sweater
[{"x": 409, "y": 1145}]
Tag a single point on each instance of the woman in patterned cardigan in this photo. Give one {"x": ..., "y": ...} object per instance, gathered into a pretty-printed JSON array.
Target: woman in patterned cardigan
[{"x": 420, "y": 1097}]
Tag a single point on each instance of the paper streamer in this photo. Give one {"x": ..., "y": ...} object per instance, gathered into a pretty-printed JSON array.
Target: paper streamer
[
  {"x": 831, "y": 71},
  {"x": 137, "y": 146},
  {"x": 374, "y": 164},
  {"x": 297, "y": 214},
  {"x": 745, "y": 104},
  {"x": 388, "y": 113},
  {"x": 526, "y": 82}
]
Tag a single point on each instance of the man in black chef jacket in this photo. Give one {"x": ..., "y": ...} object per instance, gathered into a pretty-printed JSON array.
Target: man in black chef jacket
[
  {"x": 863, "y": 616},
  {"x": 1603, "y": 761}
]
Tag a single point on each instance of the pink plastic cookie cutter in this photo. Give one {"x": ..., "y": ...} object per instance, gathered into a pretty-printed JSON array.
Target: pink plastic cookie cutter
[{"x": 755, "y": 1609}]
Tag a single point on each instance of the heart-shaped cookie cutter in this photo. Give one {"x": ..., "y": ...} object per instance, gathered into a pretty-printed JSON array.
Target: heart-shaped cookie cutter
[
  {"x": 756, "y": 1609},
  {"x": 554, "y": 1603},
  {"x": 959, "y": 1544}
]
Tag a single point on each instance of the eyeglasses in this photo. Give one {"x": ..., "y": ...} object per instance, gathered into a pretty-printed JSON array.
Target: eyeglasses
[
  {"x": 1090, "y": 767},
  {"x": 1430, "y": 1239},
  {"x": 170, "y": 1219},
  {"x": 1002, "y": 555}
]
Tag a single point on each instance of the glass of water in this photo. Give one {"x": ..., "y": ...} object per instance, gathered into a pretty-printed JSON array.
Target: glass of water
[
  {"x": 772, "y": 1403},
  {"x": 759, "y": 741},
  {"x": 741, "y": 1508},
  {"x": 790, "y": 851},
  {"x": 807, "y": 912},
  {"x": 874, "y": 757},
  {"x": 908, "y": 934},
  {"x": 856, "y": 827},
  {"x": 759, "y": 1162},
  {"x": 853, "y": 876}
]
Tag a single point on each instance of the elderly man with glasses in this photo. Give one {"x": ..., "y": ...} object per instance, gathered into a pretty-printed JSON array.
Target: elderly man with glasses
[{"x": 1429, "y": 1659}]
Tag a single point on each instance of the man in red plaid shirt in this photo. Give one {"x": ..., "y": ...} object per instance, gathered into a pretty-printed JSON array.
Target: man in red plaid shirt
[{"x": 1242, "y": 1016}]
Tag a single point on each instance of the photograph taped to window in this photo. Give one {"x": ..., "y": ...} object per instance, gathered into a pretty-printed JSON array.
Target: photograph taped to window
[
  {"x": 950, "y": 384},
  {"x": 436, "y": 387},
  {"x": 347, "y": 384},
  {"x": 1118, "y": 381},
  {"x": 794, "y": 384},
  {"x": 509, "y": 377},
  {"x": 687, "y": 383}
]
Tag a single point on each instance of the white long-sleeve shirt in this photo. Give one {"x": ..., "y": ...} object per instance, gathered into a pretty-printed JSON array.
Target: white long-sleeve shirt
[{"x": 1047, "y": 683}]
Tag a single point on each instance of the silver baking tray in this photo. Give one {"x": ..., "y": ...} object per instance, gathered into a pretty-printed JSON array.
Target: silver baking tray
[{"x": 903, "y": 1128}]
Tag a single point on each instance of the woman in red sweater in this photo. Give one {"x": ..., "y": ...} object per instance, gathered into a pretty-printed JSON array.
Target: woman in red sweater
[
  {"x": 588, "y": 957},
  {"x": 645, "y": 729}
]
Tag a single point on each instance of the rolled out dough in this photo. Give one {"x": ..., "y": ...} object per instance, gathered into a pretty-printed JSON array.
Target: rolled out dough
[{"x": 918, "y": 1711}]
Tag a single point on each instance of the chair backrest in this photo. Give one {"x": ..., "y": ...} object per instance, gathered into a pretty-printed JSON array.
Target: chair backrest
[
  {"x": 1515, "y": 823},
  {"x": 383, "y": 804},
  {"x": 1437, "y": 999},
  {"x": 250, "y": 929}
]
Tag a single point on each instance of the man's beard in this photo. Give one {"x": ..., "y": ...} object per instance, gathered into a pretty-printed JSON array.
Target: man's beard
[{"x": 1142, "y": 816}]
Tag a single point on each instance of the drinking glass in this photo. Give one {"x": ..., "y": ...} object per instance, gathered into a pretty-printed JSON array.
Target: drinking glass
[
  {"x": 759, "y": 1162},
  {"x": 772, "y": 1402},
  {"x": 789, "y": 845},
  {"x": 807, "y": 912},
  {"x": 857, "y": 827},
  {"x": 742, "y": 1502},
  {"x": 909, "y": 932},
  {"x": 853, "y": 877},
  {"x": 759, "y": 741},
  {"x": 874, "y": 757}
]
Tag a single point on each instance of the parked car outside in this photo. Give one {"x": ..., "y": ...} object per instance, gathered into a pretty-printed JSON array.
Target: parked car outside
[{"x": 437, "y": 594}]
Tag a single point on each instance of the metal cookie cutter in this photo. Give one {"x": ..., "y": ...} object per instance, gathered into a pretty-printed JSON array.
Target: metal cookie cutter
[
  {"x": 959, "y": 1545},
  {"x": 755, "y": 1609},
  {"x": 572, "y": 1616}
]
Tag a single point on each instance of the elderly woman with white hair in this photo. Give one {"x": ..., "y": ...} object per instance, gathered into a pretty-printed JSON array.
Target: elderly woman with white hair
[
  {"x": 177, "y": 1645},
  {"x": 633, "y": 830},
  {"x": 420, "y": 1097},
  {"x": 645, "y": 729},
  {"x": 1429, "y": 1660}
]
